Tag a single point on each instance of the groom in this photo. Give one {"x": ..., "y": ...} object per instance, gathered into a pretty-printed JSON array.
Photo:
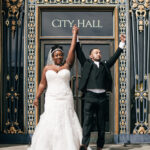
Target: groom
[{"x": 95, "y": 81}]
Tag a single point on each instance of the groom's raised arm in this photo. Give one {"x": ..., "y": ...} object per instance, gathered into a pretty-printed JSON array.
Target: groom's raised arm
[
  {"x": 116, "y": 55},
  {"x": 80, "y": 55}
]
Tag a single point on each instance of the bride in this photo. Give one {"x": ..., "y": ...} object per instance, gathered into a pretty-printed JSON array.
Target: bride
[{"x": 59, "y": 127}]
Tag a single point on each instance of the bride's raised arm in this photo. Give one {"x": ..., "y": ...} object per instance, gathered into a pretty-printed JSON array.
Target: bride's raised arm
[{"x": 71, "y": 54}]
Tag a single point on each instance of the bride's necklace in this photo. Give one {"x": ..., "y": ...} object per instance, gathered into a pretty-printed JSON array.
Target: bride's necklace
[{"x": 58, "y": 66}]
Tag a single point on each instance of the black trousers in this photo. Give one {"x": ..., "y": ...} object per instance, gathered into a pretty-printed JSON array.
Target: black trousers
[{"x": 94, "y": 103}]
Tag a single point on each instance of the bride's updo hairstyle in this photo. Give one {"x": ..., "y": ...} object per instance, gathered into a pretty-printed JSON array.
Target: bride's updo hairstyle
[
  {"x": 56, "y": 48},
  {"x": 50, "y": 57}
]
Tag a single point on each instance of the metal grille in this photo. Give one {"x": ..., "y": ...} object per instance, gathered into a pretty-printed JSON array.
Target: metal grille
[
  {"x": 140, "y": 18},
  {"x": 13, "y": 67}
]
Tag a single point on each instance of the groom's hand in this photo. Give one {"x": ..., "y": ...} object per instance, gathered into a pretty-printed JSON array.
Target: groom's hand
[{"x": 123, "y": 38}]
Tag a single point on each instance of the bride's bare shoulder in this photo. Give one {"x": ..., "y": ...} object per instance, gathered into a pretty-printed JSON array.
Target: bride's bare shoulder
[{"x": 47, "y": 67}]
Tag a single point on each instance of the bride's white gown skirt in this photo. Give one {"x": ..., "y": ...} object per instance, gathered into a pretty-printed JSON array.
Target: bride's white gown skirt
[{"x": 58, "y": 127}]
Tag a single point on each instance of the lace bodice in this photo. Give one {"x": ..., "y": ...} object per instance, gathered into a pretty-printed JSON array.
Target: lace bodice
[{"x": 58, "y": 82}]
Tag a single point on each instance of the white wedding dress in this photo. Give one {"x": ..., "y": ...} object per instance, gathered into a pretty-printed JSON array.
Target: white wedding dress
[{"x": 59, "y": 127}]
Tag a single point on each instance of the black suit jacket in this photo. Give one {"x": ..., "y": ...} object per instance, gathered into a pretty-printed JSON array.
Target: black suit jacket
[{"x": 87, "y": 64}]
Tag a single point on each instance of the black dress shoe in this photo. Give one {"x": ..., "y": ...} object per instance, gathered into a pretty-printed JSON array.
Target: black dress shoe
[{"x": 83, "y": 147}]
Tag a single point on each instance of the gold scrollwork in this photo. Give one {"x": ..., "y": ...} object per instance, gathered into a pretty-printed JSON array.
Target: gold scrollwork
[
  {"x": 147, "y": 3},
  {"x": 137, "y": 94},
  {"x": 140, "y": 93},
  {"x": 142, "y": 130},
  {"x": 140, "y": 8},
  {"x": 13, "y": 12},
  {"x": 13, "y": 130},
  {"x": 16, "y": 123},
  {"x": 146, "y": 123},
  {"x": 7, "y": 123},
  {"x": 141, "y": 1},
  {"x": 12, "y": 95},
  {"x": 141, "y": 11}
]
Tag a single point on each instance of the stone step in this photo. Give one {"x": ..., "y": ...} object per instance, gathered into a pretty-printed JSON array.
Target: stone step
[{"x": 106, "y": 147}]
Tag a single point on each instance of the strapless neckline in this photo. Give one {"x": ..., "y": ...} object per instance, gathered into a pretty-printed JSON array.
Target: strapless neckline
[{"x": 58, "y": 71}]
